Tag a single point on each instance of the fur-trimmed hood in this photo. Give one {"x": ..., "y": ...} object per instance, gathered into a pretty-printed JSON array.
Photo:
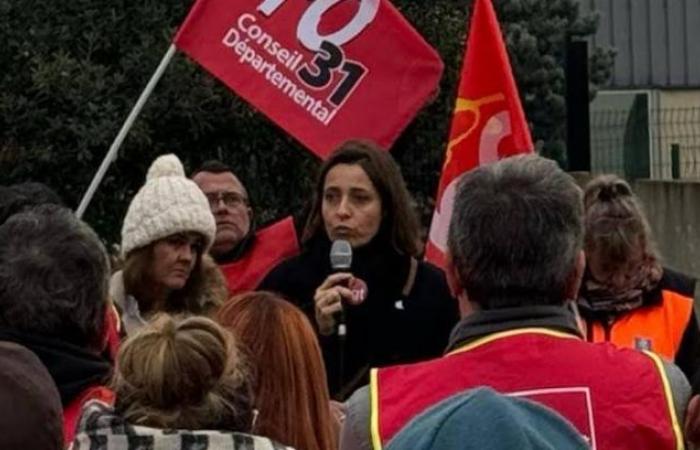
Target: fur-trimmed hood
[{"x": 215, "y": 290}]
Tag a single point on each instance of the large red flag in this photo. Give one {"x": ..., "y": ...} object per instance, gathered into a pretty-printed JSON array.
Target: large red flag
[
  {"x": 326, "y": 71},
  {"x": 488, "y": 122}
]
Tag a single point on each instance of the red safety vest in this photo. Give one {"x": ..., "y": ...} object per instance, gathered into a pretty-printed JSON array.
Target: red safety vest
[
  {"x": 271, "y": 245},
  {"x": 617, "y": 398},
  {"x": 72, "y": 411}
]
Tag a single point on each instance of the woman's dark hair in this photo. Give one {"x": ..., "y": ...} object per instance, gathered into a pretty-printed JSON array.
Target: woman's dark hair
[{"x": 399, "y": 220}]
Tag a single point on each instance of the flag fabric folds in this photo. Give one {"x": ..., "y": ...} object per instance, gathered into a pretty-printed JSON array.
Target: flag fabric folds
[
  {"x": 325, "y": 71},
  {"x": 488, "y": 121}
]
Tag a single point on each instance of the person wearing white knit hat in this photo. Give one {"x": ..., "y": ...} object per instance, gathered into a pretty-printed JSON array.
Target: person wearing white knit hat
[{"x": 166, "y": 233}]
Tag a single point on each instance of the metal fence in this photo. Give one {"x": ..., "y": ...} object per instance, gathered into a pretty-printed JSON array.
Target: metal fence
[{"x": 642, "y": 142}]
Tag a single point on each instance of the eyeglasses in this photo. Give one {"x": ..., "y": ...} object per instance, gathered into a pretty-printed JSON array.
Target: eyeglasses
[{"x": 230, "y": 199}]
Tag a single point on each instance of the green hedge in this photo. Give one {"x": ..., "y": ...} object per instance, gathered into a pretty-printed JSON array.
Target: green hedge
[{"x": 72, "y": 71}]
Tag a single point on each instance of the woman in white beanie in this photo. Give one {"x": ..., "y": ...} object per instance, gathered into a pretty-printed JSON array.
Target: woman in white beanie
[{"x": 166, "y": 234}]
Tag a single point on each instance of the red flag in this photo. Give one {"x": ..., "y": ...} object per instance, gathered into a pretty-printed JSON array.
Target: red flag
[
  {"x": 488, "y": 122},
  {"x": 271, "y": 246},
  {"x": 325, "y": 71}
]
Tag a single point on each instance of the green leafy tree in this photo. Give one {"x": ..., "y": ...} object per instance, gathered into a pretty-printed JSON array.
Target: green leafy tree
[
  {"x": 73, "y": 70},
  {"x": 536, "y": 34}
]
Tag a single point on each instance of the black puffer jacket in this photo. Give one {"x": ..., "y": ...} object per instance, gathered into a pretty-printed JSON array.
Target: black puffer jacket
[{"x": 387, "y": 328}]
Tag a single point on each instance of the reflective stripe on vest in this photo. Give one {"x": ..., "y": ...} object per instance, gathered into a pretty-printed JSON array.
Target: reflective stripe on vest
[
  {"x": 617, "y": 398},
  {"x": 658, "y": 328}
]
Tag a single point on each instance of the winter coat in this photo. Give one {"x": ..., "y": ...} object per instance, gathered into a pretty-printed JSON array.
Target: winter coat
[
  {"x": 30, "y": 406},
  {"x": 101, "y": 428},
  {"x": 78, "y": 373},
  {"x": 389, "y": 327}
]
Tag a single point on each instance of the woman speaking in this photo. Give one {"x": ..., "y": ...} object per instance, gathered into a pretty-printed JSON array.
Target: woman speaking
[{"x": 390, "y": 307}]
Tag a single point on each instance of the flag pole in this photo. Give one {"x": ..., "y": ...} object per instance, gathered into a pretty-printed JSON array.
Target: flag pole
[{"x": 128, "y": 123}]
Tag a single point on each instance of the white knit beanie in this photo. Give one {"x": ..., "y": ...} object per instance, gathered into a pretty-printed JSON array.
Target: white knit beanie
[{"x": 167, "y": 204}]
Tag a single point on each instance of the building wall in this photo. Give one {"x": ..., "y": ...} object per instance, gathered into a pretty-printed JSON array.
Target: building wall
[
  {"x": 656, "y": 41},
  {"x": 673, "y": 209}
]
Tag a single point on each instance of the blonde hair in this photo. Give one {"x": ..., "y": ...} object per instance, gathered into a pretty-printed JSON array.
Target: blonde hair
[{"x": 183, "y": 374}]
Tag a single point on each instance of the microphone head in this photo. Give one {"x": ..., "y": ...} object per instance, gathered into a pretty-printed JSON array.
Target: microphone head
[{"x": 341, "y": 255}]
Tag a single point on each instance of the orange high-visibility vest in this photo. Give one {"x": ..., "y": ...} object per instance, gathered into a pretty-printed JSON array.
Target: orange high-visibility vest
[{"x": 657, "y": 327}]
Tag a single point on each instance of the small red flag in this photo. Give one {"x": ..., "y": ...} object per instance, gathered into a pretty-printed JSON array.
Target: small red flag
[
  {"x": 325, "y": 71},
  {"x": 271, "y": 245},
  {"x": 488, "y": 122}
]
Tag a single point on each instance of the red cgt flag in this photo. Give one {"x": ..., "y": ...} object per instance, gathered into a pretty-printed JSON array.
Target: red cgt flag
[
  {"x": 325, "y": 71},
  {"x": 488, "y": 122}
]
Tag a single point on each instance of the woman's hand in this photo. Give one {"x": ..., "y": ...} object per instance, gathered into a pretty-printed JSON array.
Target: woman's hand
[{"x": 328, "y": 300}]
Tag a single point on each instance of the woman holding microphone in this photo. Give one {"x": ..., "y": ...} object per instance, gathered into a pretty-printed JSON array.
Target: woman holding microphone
[{"x": 382, "y": 305}]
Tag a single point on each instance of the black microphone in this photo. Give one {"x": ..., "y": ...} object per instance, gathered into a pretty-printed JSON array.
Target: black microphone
[{"x": 341, "y": 260}]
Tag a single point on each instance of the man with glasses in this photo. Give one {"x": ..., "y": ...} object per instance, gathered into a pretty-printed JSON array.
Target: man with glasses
[{"x": 243, "y": 255}]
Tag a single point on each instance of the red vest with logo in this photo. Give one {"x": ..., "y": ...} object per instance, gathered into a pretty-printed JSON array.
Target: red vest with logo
[
  {"x": 617, "y": 399},
  {"x": 270, "y": 246}
]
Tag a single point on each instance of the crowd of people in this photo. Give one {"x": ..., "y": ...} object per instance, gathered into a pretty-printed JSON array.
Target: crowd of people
[{"x": 553, "y": 325}]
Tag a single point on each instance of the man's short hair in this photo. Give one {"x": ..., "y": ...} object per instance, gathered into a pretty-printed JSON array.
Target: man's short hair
[
  {"x": 54, "y": 276},
  {"x": 516, "y": 232},
  {"x": 212, "y": 166}
]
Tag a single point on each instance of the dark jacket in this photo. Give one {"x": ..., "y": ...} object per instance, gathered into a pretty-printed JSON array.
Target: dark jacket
[
  {"x": 78, "y": 373},
  {"x": 672, "y": 297},
  {"x": 386, "y": 328},
  {"x": 30, "y": 405}
]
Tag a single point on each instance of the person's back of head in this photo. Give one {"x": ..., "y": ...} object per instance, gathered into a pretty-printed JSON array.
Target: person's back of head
[
  {"x": 485, "y": 420},
  {"x": 22, "y": 196},
  {"x": 54, "y": 275},
  {"x": 516, "y": 234},
  {"x": 183, "y": 374},
  {"x": 292, "y": 395},
  {"x": 30, "y": 406},
  {"x": 618, "y": 235}
]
